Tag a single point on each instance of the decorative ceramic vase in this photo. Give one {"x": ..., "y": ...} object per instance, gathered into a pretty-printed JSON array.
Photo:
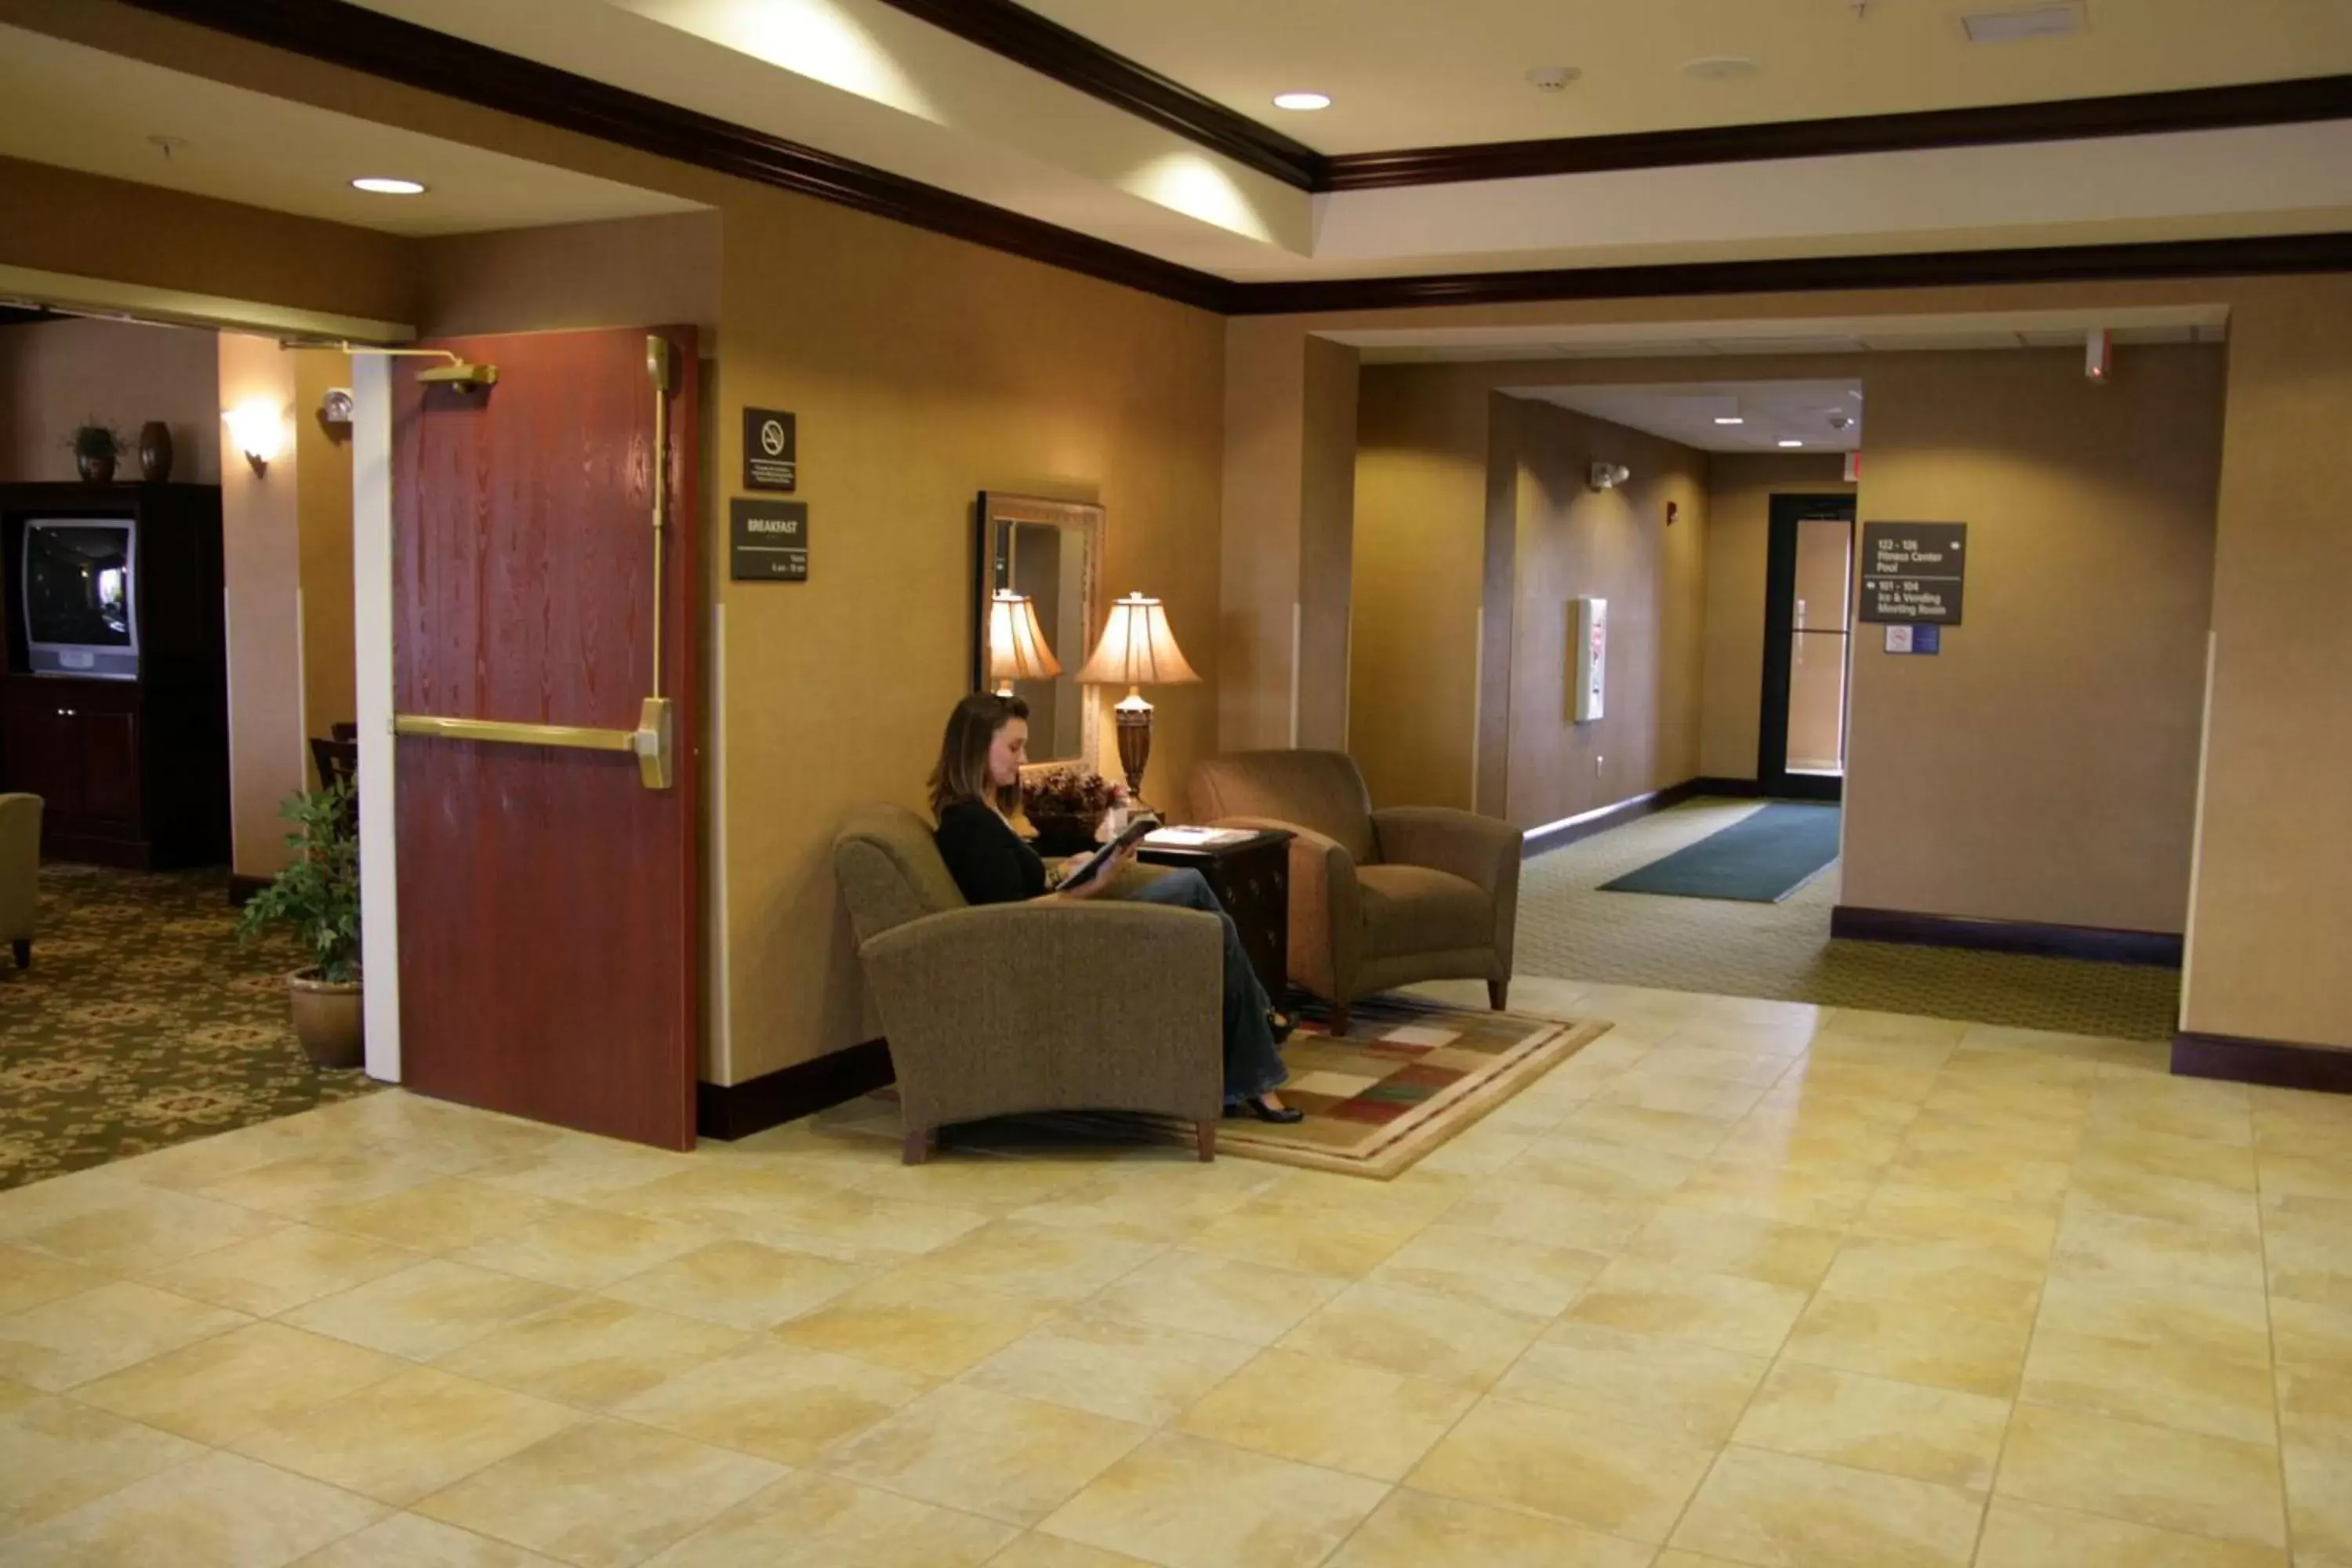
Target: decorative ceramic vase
[
  {"x": 327, "y": 1019},
  {"x": 154, "y": 451},
  {"x": 95, "y": 470}
]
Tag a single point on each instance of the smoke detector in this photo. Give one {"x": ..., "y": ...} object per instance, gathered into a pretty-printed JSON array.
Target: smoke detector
[
  {"x": 2057, "y": 21},
  {"x": 1552, "y": 79}
]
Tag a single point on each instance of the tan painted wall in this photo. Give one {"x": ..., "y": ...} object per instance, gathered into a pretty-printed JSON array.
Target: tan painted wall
[
  {"x": 61, "y": 221},
  {"x": 322, "y": 471},
  {"x": 1419, "y": 509},
  {"x": 924, "y": 371},
  {"x": 261, "y": 550},
  {"x": 2274, "y": 897},
  {"x": 1575, "y": 542},
  {"x": 2044, "y": 767},
  {"x": 647, "y": 271},
  {"x": 1740, "y": 487},
  {"x": 56, "y": 374},
  {"x": 1286, "y": 536}
]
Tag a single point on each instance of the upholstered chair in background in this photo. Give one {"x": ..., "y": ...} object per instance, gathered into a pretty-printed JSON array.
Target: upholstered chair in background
[{"x": 1378, "y": 898}]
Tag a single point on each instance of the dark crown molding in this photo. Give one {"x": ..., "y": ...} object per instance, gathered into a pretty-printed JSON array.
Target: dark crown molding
[
  {"x": 1074, "y": 60},
  {"x": 386, "y": 46},
  {"x": 363, "y": 40},
  {"x": 2066, "y": 119},
  {"x": 1925, "y": 269}
]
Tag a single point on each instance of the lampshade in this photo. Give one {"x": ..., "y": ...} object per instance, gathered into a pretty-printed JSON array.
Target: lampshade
[
  {"x": 1137, "y": 648},
  {"x": 1016, "y": 644}
]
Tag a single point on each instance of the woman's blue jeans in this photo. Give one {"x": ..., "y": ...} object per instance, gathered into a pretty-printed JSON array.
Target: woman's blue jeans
[{"x": 1253, "y": 1066}]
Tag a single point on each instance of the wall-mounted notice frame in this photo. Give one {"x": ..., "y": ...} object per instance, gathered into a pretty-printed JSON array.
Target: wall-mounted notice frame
[{"x": 1588, "y": 657}]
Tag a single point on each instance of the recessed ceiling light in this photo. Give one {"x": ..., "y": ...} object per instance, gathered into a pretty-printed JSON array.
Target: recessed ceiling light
[
  {"x": 1302, "y": 100},
  {"x": 1729, "y": 419},
  {"x": 1792, "y": 443},
  {"x": 1720, "y": 68},
  {"x": 377, "y": 184}
]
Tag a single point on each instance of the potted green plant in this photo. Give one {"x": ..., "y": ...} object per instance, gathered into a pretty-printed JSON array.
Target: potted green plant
[
  {"x": 96, "y": 448},
  {"x": 317, "y": 895}
]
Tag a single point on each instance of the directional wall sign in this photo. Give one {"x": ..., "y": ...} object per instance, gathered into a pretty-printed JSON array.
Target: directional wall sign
[
  {"x": 1912, "y": 572},
  {"x": 769, "y": 541},
  {"x": 771, "y": 449}
]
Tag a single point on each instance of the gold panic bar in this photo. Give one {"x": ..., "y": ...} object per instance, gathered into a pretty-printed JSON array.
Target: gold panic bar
[{"x": 578, "y": 737}]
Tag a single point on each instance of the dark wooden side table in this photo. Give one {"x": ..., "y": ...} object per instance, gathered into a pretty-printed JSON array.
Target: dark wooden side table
[{"x": 1250, "y": 877}]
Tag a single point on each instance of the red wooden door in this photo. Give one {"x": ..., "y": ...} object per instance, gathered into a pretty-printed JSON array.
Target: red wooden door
[{"x": 550, "y": 920}]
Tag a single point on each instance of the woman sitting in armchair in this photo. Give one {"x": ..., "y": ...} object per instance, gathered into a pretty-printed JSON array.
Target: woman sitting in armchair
[{"x": 974, "y": 789}]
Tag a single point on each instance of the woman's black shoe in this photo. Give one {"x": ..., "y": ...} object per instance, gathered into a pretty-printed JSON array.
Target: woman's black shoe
[
  {"x": 1283, "y": 1024},
  {"x": 1257, "y": 1106}
]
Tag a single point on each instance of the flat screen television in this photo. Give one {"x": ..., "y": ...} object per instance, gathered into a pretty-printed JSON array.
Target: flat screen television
[{"x": 81, "y": 605}]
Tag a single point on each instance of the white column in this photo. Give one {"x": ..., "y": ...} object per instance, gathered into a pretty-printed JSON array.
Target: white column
[{"x": 371, "y": 639}]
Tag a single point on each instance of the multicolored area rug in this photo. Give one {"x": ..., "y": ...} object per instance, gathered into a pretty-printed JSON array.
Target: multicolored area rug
[
  {"x": 1407, "y": 1077},
  {"x": 143, "y": 1022}
]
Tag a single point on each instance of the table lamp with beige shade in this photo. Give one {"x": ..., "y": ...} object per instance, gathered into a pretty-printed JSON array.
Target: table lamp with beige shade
[
  {"x": 1017, "y": 643},
  {"x": 1137, "y": 650}
]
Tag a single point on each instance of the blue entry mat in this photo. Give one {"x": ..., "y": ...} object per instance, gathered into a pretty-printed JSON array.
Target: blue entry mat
[{"x": 1759, "y": 859}]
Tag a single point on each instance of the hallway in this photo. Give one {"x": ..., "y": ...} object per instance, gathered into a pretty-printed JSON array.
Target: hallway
[{"x": 1570, "y": 930}]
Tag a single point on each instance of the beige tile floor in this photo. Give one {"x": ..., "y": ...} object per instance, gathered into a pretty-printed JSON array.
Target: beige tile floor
[{"x": 1749, "y": 1283}]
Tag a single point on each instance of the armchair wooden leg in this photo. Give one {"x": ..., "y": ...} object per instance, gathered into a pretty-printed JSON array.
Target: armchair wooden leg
[
  {"x": 24, "y": 949},
  {"x": 920, "y": 1141},
  {"x": 1338, "y": 1019},
  {"x": 1498, "y": 995},
  {"x": 1204, "y": 1134}
]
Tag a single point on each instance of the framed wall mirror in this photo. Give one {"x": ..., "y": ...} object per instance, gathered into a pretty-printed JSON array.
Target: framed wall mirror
[{"x": 1033, "y": 607}]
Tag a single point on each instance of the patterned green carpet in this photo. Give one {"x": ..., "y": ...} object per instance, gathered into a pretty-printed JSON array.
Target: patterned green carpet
[
  {"x": 1570, "y": 930},
  {"x": 143, "y": 1022}
]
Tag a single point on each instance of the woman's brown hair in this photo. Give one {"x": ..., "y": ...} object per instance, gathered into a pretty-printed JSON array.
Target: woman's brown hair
[{"x": 963, "y": 770}]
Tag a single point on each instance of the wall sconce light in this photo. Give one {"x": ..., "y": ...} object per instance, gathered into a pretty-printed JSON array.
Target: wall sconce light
[
  {"x": 335, "y": 407},
  {"x": 257, "y": 429},
  {"x": 1609, "y": 475}
]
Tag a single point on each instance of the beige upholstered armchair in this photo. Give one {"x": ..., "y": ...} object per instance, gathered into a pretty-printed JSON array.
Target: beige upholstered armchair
[
  {"x": 1008, "y": 1008},
  {"x": 20, "y": 872},
  {"x": 1378, "y": 898}
]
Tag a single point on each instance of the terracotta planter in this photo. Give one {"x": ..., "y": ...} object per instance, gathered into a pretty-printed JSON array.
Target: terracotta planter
[
  {"x": 95, "y": 470},
  {"x": 327, "y": 1019}
]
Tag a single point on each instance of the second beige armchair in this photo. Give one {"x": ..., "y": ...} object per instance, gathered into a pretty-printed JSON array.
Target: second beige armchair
[{"x": 1378, "y": 898}]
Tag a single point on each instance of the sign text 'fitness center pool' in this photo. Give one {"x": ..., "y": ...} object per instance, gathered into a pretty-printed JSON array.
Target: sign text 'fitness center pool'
[{"x": 1913, "y": 571}]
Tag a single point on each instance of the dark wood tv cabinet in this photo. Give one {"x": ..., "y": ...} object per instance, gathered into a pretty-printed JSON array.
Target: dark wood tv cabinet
[{"x": 132, "y": 772}]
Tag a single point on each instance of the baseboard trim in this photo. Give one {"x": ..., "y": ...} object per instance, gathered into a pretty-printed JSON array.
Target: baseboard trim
[
  {"x": 1568, "y": 829},
  {"x": 1600, "y": 819},
  {"x": 242, "y": 888},
  {"x": 2155, "y": 950},
  {"x": 731, "y": 1111},
  {"x": 2281, "y": 1064}
]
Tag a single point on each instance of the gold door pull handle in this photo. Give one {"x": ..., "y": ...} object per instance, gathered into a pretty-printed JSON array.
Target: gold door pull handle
[{"x": 649, "y": 743}]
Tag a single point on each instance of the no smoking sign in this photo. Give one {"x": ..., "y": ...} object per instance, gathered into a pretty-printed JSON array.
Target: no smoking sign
[{"x": 771, "y": 450}]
